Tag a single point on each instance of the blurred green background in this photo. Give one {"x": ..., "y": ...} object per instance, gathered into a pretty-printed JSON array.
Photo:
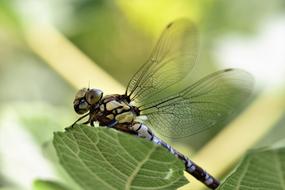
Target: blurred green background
[{"x": 118, "y": 36}]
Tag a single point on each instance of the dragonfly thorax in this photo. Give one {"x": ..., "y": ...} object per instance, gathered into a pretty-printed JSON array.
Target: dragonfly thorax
[{"x": 115, "y": 109}]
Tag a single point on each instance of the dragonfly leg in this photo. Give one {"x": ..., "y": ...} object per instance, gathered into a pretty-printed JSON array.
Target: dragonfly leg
[
  {"x": 192, "y": 168},
  {"x": 80, "y": 118}
]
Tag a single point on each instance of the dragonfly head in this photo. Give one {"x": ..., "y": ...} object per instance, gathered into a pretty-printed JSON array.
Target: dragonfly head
[{"x": 85, "y": 99}]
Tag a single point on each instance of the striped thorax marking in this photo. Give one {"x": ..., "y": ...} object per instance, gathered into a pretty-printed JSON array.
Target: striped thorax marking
[
  {"x": 126, "y": 117},
  {"x": 115, "y": 110},
  {"x": 112, "y": 105},
  {"x": 102, "y": 108},
  {"x": 110, "y": 116},
  {"x": 120, "y": 110}
]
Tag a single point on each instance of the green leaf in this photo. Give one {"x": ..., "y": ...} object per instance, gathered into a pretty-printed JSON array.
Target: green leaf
[
  {"x": 48, "y": 185},
  {"x": 259, "y": 170},
  {"x": 102, "y": 158}
]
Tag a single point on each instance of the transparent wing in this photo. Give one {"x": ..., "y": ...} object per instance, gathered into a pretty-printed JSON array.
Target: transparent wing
[
  {"x": 171, "y": 60},
  {"x": 202, "y": 105}
]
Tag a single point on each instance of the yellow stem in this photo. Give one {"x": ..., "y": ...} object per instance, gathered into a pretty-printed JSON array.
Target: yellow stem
[{"x": 67, "y": 60}]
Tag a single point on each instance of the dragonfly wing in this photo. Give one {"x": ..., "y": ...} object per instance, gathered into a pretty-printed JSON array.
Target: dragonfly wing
[
  {"x": 171, "y": 60},
  {"x": 200, "y": 106}
]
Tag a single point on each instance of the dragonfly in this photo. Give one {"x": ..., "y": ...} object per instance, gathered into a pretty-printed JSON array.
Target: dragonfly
[{"x": 148, "y": 107}]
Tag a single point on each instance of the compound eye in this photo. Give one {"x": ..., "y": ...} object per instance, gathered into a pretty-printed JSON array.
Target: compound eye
[
  {"x": 81, "y": 106},
  {"x": 81, "y": 93},
  {"x": 93, "y": 96}
]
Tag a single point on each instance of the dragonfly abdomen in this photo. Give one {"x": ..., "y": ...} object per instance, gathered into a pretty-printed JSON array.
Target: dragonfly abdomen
[{"x": 192, "y": 168}]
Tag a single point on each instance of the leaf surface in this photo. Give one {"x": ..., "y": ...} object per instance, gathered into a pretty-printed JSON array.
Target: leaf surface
[
  {"x": 101, "y": 158},
  {"x": 259, "y": 170}
]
